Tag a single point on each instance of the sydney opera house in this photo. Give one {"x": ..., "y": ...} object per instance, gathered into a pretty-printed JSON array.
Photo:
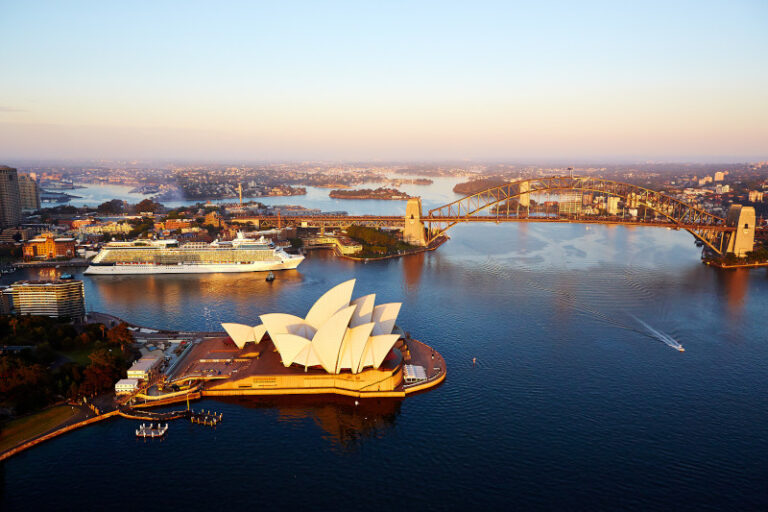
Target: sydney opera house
[{"x": 342, "y": 345}]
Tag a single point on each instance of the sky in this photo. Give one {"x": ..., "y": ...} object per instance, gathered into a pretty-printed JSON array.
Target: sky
[{"x": 477, "y": 80}]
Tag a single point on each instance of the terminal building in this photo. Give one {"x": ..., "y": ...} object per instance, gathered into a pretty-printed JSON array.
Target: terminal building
[{"x": 56, "y": 299}]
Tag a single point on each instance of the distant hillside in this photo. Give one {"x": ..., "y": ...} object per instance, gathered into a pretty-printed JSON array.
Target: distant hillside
[{"x": 471, "y": 187}]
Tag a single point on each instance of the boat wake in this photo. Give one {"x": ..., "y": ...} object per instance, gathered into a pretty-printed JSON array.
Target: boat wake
[
  {"x": 616, "y": 321},
  {"x": 666, "y": 338}
]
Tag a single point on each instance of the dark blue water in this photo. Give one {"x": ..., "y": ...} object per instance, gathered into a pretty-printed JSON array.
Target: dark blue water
[{"x": 573, "y": 404}]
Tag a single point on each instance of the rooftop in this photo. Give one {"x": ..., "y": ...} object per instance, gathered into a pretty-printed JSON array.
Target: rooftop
[{"x": 45, "y": 282}]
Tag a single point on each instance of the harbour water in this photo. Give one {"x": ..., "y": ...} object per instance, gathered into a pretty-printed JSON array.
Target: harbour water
[
  {"x": 572, "y": 403},
  {"x": 439, "y": 193}
]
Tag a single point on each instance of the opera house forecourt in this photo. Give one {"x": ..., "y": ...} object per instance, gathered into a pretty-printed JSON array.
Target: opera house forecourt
[{"x": 344, "y": 346}]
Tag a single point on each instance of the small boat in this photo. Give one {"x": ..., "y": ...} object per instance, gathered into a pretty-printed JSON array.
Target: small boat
[
  {"x": 65, "y": 276},
  {"x": 270, "y": 277},
  {"x": 151, "y": 431}
]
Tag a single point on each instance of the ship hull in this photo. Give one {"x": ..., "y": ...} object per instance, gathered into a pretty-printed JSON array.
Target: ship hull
[{"x": 262, "y": 266}]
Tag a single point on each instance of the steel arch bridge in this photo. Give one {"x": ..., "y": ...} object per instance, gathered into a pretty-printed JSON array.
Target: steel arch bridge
[{"x": 710, "y": 229}]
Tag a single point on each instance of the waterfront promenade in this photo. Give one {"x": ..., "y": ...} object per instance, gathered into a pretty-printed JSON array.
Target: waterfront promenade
[{"x": 135, "y": 406}]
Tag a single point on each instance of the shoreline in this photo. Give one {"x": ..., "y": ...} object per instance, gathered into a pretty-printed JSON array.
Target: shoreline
[
  {"x": 333, "y": 196},
  {"x": 723, "y": 266},
  {"x": 431, "y": 247},
  {"x": 419, "y": 350}
]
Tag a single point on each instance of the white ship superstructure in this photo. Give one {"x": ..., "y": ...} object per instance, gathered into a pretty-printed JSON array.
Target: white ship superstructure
[{"x": 167, "y": 257}]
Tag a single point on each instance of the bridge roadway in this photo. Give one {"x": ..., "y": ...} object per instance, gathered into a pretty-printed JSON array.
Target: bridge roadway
[{"x": 324, "y": 221}]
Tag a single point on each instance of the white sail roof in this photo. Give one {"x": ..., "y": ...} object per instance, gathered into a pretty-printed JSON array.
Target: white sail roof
[
  {"x": 329, "y": 337},
  {"x": 355, "y": 339},
  {"x": 241, "y": 334},
  {"x": 338, "y": 333},
  {"x": 284, "y": 323},
  {"x": 331, "y": 301},
  {"x": 385, "y": 317},
  {"x": 364, "y": 310},
  {"x": 289, "y": 346}
]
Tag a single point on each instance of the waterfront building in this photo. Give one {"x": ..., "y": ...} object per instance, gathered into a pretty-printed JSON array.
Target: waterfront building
[
  {"x": 10, "y": 200},
  {"x": 144, "y": 368},
  {"x": 56, "y": 298},
  {"x": 126, "y": 386},
  {"x": 29, "y": 193},
  {"x": 47, "y": 247},
  {"x": 337, "y": 334},
  {"x": 343, "y": 244},
  {"x": 342, "y": 346}
]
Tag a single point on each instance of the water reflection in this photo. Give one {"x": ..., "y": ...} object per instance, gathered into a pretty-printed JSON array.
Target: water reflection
[
  {"x": 412, "y": 268},
  {"x": 734, "y": 286},
  {"x": 175, "y": 288},
  {"x": 346, "y": 421}
]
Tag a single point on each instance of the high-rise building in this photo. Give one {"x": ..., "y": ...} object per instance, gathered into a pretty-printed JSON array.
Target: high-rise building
[
  {"x": 570, "y": 203},
  {"x": 719, "y": 176},
  {"x": 6, "y": 300},
  {"x": 722, "y": 189},
  {"x": 29, "y": 193},
  {"x": 59, "y": 298},
  {"x": 612, "y": 205},
  {"x": 10, "y": 202}
]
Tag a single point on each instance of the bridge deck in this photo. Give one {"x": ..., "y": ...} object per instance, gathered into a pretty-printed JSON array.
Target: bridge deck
[{"x": 393, "y": 220}]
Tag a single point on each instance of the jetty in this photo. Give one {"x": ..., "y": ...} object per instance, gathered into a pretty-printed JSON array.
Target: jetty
[{"x": 151, "y": 431}]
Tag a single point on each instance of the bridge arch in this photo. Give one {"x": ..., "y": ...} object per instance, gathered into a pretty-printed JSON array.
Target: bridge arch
[{"x": 710, "y": 229}]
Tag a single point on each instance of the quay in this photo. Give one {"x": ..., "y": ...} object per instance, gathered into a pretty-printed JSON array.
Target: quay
[{"x": 720, "y": 264}]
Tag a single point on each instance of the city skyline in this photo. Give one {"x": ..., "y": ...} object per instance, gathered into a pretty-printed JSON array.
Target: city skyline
[{"x": 343, "y": 81}]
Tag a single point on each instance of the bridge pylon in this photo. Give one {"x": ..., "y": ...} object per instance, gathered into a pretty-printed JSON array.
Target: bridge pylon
[
  {"x": 742, "y": 240},
  {"x": 413, "y": 233}
]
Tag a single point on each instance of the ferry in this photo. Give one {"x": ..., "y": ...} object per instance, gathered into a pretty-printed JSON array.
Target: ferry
[{"x": 168, "y": 257}]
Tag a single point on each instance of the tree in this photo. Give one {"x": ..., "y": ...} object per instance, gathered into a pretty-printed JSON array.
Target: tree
[
  {"x": 148, "y": 205},
  {"x": 120, "y": 335},
  {"x": 114, "y": 206}
]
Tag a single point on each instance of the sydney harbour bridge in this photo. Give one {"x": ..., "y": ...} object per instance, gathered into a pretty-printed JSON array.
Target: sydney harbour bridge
[{"x": 578, "y": 199}]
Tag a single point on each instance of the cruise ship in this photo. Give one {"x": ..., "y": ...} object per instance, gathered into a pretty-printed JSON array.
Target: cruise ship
[{"x": 168, "y": 257}]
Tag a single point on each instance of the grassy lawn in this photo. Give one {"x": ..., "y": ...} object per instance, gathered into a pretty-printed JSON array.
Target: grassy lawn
[
  {"x": 78, "y": 356},
  {"x": 21, "y": 429}
]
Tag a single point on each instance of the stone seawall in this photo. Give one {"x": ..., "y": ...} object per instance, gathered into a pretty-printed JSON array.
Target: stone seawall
[{"x": 29, "y": 444}]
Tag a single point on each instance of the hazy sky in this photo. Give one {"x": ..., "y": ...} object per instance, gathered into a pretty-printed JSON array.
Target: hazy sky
[{"x": 384, "y": 80}]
